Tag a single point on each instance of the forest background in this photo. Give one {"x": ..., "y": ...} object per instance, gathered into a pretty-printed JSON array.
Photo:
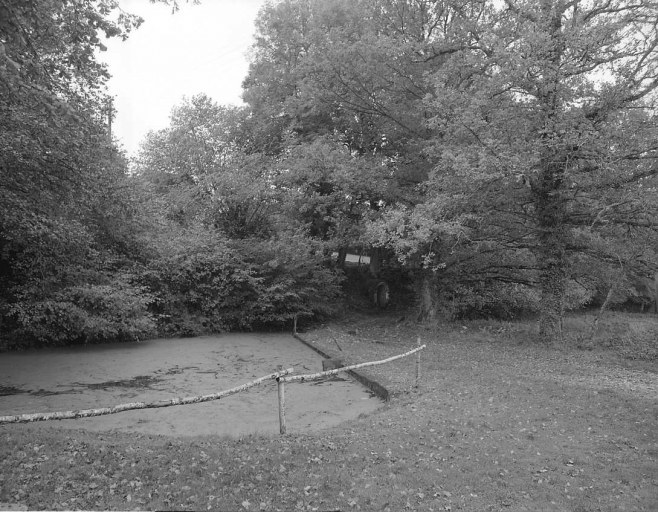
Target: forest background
[{"x": 494, "y": 159}]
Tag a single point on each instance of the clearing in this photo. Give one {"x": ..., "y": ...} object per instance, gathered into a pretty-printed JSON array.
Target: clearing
[{"x": 498, "y": 423}]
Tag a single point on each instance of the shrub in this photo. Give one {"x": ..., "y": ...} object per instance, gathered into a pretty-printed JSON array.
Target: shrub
[
  {"x": 633, "y": 336},
  {"x": 201, "y": 286},
  {"x": 88, "y": 313},
  {"x": 577, "y": 296},
  {"x": 210, "y": 284},
  {"x": 503, "y": 301},
  {"x": 292, "y": 279}
]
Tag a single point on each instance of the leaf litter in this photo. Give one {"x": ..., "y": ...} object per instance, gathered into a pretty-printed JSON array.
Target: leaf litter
[{"x": 492, "y": 426}]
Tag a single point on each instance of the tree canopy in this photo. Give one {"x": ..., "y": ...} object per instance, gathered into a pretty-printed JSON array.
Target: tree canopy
[
  {"x": 520, "y": 134},
  {"x": 64, "y": 233},
  {"x": 501, "y": 154}
]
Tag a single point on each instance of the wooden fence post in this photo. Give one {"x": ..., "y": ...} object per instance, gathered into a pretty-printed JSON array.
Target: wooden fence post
[
  {"x": 282, "y": 405},
  {"x": 417, "y": 363},
  {"x": 294, "y": 325}
]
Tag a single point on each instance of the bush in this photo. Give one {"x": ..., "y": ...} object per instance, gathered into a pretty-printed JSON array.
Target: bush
[
  {"x": 197, "y": 282},
  {"x": 209, "y": 284},
  {"x": 577, "y": 296},
  {"x": 89, "y": 313},
  {"x": 292, "y": 279},
  {"x": 502, "y": 301},
  {"x": 201, "y": 286}
]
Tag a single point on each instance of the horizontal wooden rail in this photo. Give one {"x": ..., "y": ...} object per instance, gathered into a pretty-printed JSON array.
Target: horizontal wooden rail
[
  {"x": 87, "y": 413},
  {"x": 328, "y": 373}
]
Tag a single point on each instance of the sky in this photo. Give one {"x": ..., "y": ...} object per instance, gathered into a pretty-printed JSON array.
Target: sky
[{"x": 199, "y": 49}]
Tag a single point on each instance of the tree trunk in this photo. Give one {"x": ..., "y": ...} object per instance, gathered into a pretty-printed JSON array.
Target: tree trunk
[
  {"x": 551, "y": 213},
  {"x": 552, "y": 253},
  {"x": 427, "y": 307},
  {"x": 597, "y": 319},
  {"x": 552, "y": 309},
  {"x": 549, "y": 197},
  {"x": 342, "y": 256}
]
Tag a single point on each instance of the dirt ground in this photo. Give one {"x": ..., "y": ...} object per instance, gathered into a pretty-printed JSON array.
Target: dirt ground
[{"x": 107, "y": 375}]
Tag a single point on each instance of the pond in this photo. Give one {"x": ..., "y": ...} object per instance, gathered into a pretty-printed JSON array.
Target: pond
[{"x": 94, "y": 376}]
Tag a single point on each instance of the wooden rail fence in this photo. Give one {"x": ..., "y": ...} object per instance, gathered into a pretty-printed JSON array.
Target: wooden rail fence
[
  {"x": 281, "y": 377},
  {"x": 87, "y": 413}
]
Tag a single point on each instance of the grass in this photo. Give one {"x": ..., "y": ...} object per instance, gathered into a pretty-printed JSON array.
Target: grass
[{"x": 498, "y": 423}]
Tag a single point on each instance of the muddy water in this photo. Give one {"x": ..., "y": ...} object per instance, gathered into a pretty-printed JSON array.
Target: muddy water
[{"x": 106, "y": 375}]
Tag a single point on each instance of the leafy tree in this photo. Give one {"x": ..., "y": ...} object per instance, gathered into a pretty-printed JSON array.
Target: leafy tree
[
  {"x": 65, "y": 224},
  {"x": 354, "y": 73},
  {"x": 225, "y": 257},
  {"x": 559, "y": 96},
  {"x": 199, "y": 171},
  {"x": 328, "y": 191},
  {"x": 318, "y": 68},
  {"x": 343, "y": 68},
  {"x": 506, "y": 125}
]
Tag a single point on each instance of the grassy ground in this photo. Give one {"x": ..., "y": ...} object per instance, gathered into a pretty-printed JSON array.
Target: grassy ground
[{"x": 497, "y": 423}]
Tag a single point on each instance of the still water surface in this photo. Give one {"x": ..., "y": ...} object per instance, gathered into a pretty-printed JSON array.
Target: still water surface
[{"x": 95, "y": 376}]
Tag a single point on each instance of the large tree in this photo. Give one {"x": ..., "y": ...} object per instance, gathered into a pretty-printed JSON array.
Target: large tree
[
  {"x": 226, "y": 254},
  {"x": 558, "y": 95},
  {"x": 202, "y": 169},
  {"x": 345, "y": 74},
  {"x": 65, "y": 216},
  {"x": 520, "y": 134}
]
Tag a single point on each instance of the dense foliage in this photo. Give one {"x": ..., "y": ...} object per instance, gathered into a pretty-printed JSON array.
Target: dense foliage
[
  {"x": 67, "y": 236},
  {"x": 209, "y": 283},
  {"x": 500, "y": 155},
  {"x": 228, "y": 255},
  {"x": 90, "y": 252},
  {"x": 519, "y": 137}
]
